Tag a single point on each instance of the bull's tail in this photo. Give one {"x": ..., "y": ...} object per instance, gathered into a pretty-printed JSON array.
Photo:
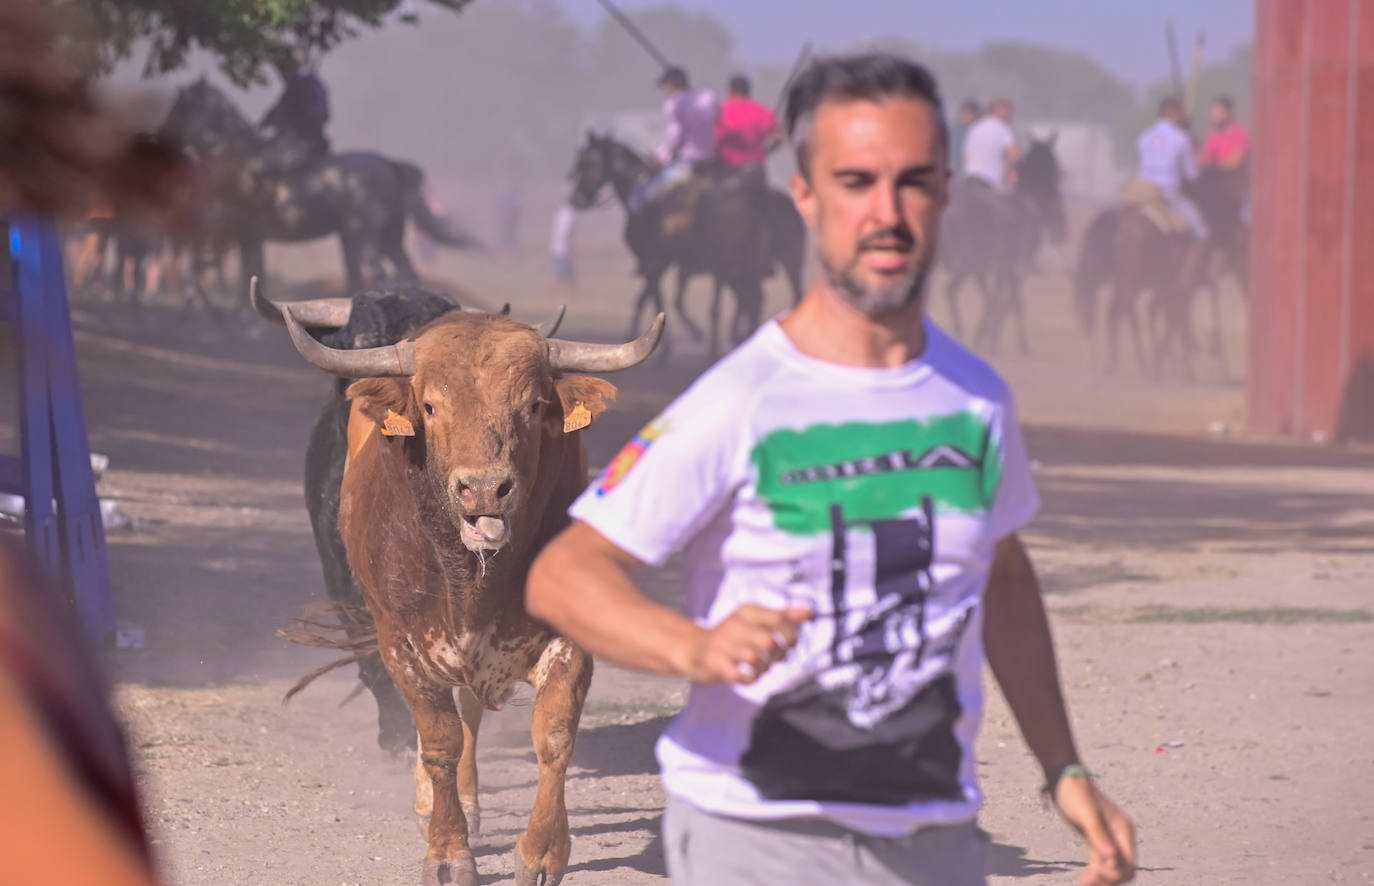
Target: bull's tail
[
  {"x": 441, "y": 231},
  {"x": 353, "y": 632}
]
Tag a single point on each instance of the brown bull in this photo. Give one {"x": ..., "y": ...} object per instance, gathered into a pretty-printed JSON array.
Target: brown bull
[{"x": 463, "y": 457}]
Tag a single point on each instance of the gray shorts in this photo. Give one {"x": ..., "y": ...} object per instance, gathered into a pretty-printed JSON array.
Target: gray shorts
[{"x": 703, "y": 849}]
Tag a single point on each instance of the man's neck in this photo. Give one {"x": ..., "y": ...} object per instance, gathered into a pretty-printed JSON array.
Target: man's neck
[{"x": 827, "y": 328}]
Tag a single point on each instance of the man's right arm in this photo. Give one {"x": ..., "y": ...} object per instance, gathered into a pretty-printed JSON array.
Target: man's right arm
[{"x": 581, "y": 586}]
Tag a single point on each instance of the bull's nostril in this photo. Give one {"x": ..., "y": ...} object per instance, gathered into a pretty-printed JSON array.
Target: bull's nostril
[
  {"x": 464, "y": 490},
  {"x": 504, "y": 489}
]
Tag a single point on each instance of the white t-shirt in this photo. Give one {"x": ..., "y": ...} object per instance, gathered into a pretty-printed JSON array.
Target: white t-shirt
[
  {"x": 875, "y": 496},
  {"x": 1166, "y": 156},
  {"x": 985, "y": 150}
]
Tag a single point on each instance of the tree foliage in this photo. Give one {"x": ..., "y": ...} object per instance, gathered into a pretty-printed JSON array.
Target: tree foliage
[{"x": 247, "y": 36}]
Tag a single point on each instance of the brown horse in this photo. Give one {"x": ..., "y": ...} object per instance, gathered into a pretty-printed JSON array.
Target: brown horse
[
  {"x": 737, "y": 235},
  {"x": 1125, "y": 251}
]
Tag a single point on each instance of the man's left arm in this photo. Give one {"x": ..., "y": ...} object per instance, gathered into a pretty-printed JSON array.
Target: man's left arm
[{"x": 1016, "y": 634}]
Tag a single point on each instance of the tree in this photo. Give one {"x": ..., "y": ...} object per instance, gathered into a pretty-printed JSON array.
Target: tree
[{"x": 246, "y": 36}]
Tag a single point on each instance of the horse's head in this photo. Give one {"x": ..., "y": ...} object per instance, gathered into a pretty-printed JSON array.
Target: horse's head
[
  {"x": 591, "y": 171},
  {"x": 1038, "y": 178},
  {"x": 203, "y": 118},
  {"x": 602, "y": 161}
]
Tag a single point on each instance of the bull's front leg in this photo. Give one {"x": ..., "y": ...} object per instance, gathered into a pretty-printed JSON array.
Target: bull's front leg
[
  {"x": 561, "y": 679},
  {"x": 440, "y": 730},
  {"x": 472, "y": 711}
]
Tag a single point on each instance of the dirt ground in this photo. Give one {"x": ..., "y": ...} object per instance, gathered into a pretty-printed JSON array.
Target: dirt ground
[{"x": 1211, "y": 595}]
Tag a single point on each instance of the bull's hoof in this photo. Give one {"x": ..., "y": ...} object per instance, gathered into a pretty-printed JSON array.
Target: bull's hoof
[
  {"x": 450, "y": 872},
  {"x": 525, "y": 876}
]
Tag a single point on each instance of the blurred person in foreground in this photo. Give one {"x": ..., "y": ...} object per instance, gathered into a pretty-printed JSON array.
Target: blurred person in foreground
[
  {"x": 69, "y": 811},
  {"x": 846, "y": 489}
]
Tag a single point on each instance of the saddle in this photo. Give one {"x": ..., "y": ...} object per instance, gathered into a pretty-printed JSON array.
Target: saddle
[
  {"x": 1148, "y": 197},
  {"x": 678, "y": 206}
]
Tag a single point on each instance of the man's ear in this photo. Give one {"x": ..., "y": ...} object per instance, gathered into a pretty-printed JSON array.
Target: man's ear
[
  {"x": 804, "y": 196},
  {"x": 388, "y": 402},
  {"x": 583, "y": 398}
]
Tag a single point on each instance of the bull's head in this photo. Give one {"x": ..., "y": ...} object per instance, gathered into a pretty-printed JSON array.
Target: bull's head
[{"x": 476, "y": 398}]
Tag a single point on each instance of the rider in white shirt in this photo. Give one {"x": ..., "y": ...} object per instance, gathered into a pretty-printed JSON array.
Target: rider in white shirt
[
  {"x": 1167, "y": 160},
  {"x": 990, "y": 152}
]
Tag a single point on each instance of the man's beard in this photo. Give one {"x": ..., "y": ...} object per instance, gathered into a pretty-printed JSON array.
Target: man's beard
[{"x": 877, "y": 299}]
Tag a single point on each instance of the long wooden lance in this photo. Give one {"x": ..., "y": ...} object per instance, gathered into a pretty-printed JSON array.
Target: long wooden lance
[{"x": 634, "y": 32}]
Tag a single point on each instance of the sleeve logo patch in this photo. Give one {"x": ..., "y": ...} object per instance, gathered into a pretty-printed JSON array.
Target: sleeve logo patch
[{"x": 628, "y": 457}]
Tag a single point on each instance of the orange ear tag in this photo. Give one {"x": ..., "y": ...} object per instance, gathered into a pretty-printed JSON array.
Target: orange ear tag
[
  {"x": 577, "y": 418},
  {"x": 397, "y": 425}
]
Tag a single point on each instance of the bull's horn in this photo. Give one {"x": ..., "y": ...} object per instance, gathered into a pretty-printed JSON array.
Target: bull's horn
[
  {"x": 576, "y": 356},
  {"x": 550, "y": 326},
  {"x": 332, "y": 313},
  {"x": 391, "y": 361}
]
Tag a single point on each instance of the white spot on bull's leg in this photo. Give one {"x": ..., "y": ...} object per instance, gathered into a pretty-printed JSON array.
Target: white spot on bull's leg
[{"x": 556, "y": 655}]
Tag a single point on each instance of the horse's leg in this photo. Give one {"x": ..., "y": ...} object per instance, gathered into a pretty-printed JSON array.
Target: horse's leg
[
  {"x": 251, "y": 265},
  {"x": 1017, "y": 305},
  {"x": 680, "y": 304},
  {"x": 748, "y": 308},
  {"x": 353, "y": 258}
]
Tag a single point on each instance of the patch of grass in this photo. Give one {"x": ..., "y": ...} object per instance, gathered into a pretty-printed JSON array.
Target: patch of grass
[
  {"x": 1274, "y": 615},
  {"x": 631, "y": 711}
]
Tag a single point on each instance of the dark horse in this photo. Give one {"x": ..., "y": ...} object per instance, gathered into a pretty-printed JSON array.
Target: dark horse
[
  {"x": 1128, "y": 253},
  {"x": 363, "y": 197},
  {"x": 737, "y": 235},
  {"x": 993, "y": 239}
]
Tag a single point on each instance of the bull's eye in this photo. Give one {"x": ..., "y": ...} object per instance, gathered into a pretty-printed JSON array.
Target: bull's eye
[{"x": 429, "y": 409}]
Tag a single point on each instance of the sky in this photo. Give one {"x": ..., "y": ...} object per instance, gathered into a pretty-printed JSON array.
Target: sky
[{"x": 1125, "y": 36}]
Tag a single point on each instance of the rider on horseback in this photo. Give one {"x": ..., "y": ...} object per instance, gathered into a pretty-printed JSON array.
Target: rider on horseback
[
  {"x": 1167, "y": 161},
  {"x": 298, "y": 118},
  {"x": 746, "y": 133},
  {"x": 990, "y": 152},
  {"x": 690, "y": 139}
]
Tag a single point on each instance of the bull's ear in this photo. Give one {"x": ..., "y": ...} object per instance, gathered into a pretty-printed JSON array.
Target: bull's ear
[
  {"x": 583, "y": 398},
  {"x": 388, "y": 402}
]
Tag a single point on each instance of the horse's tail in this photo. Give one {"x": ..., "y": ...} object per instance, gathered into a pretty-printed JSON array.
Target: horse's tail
[
  {"x": 1094, "y": 268},
  {"x": 439, "y": 230}
]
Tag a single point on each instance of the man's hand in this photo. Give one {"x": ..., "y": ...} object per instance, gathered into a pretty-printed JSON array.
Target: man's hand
[
  {"x": 1108, "y": 832},
  {"x": 743, "y": 646}
]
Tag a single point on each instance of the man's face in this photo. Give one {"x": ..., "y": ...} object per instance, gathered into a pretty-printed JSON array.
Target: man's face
[
  {"x": 878, "y": 180},
  {"x": 1221, "y": 115},
  {"x": 966, "y": 116}
]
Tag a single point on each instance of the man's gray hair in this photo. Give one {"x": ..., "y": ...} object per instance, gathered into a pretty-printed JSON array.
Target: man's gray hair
[{"x": 861, "y": 77}]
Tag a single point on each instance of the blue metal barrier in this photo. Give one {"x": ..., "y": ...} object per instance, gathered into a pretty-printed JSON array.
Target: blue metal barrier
[{"x": 62, "y": 518}]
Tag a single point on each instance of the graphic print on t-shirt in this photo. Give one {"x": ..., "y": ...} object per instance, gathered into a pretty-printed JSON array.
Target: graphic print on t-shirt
[{"x": 872, "y": 727}]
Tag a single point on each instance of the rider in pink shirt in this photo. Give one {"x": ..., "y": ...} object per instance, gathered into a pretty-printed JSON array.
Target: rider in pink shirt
[{"x": 1229, "y": 143}]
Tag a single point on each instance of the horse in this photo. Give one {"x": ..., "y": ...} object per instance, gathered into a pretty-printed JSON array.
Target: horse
[
  {"x": 993, "y": 240},
  {"x": 363, "y": 197},
  {"x": 1124, "y": 249},
  {"x": 738, "y": 235}
]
